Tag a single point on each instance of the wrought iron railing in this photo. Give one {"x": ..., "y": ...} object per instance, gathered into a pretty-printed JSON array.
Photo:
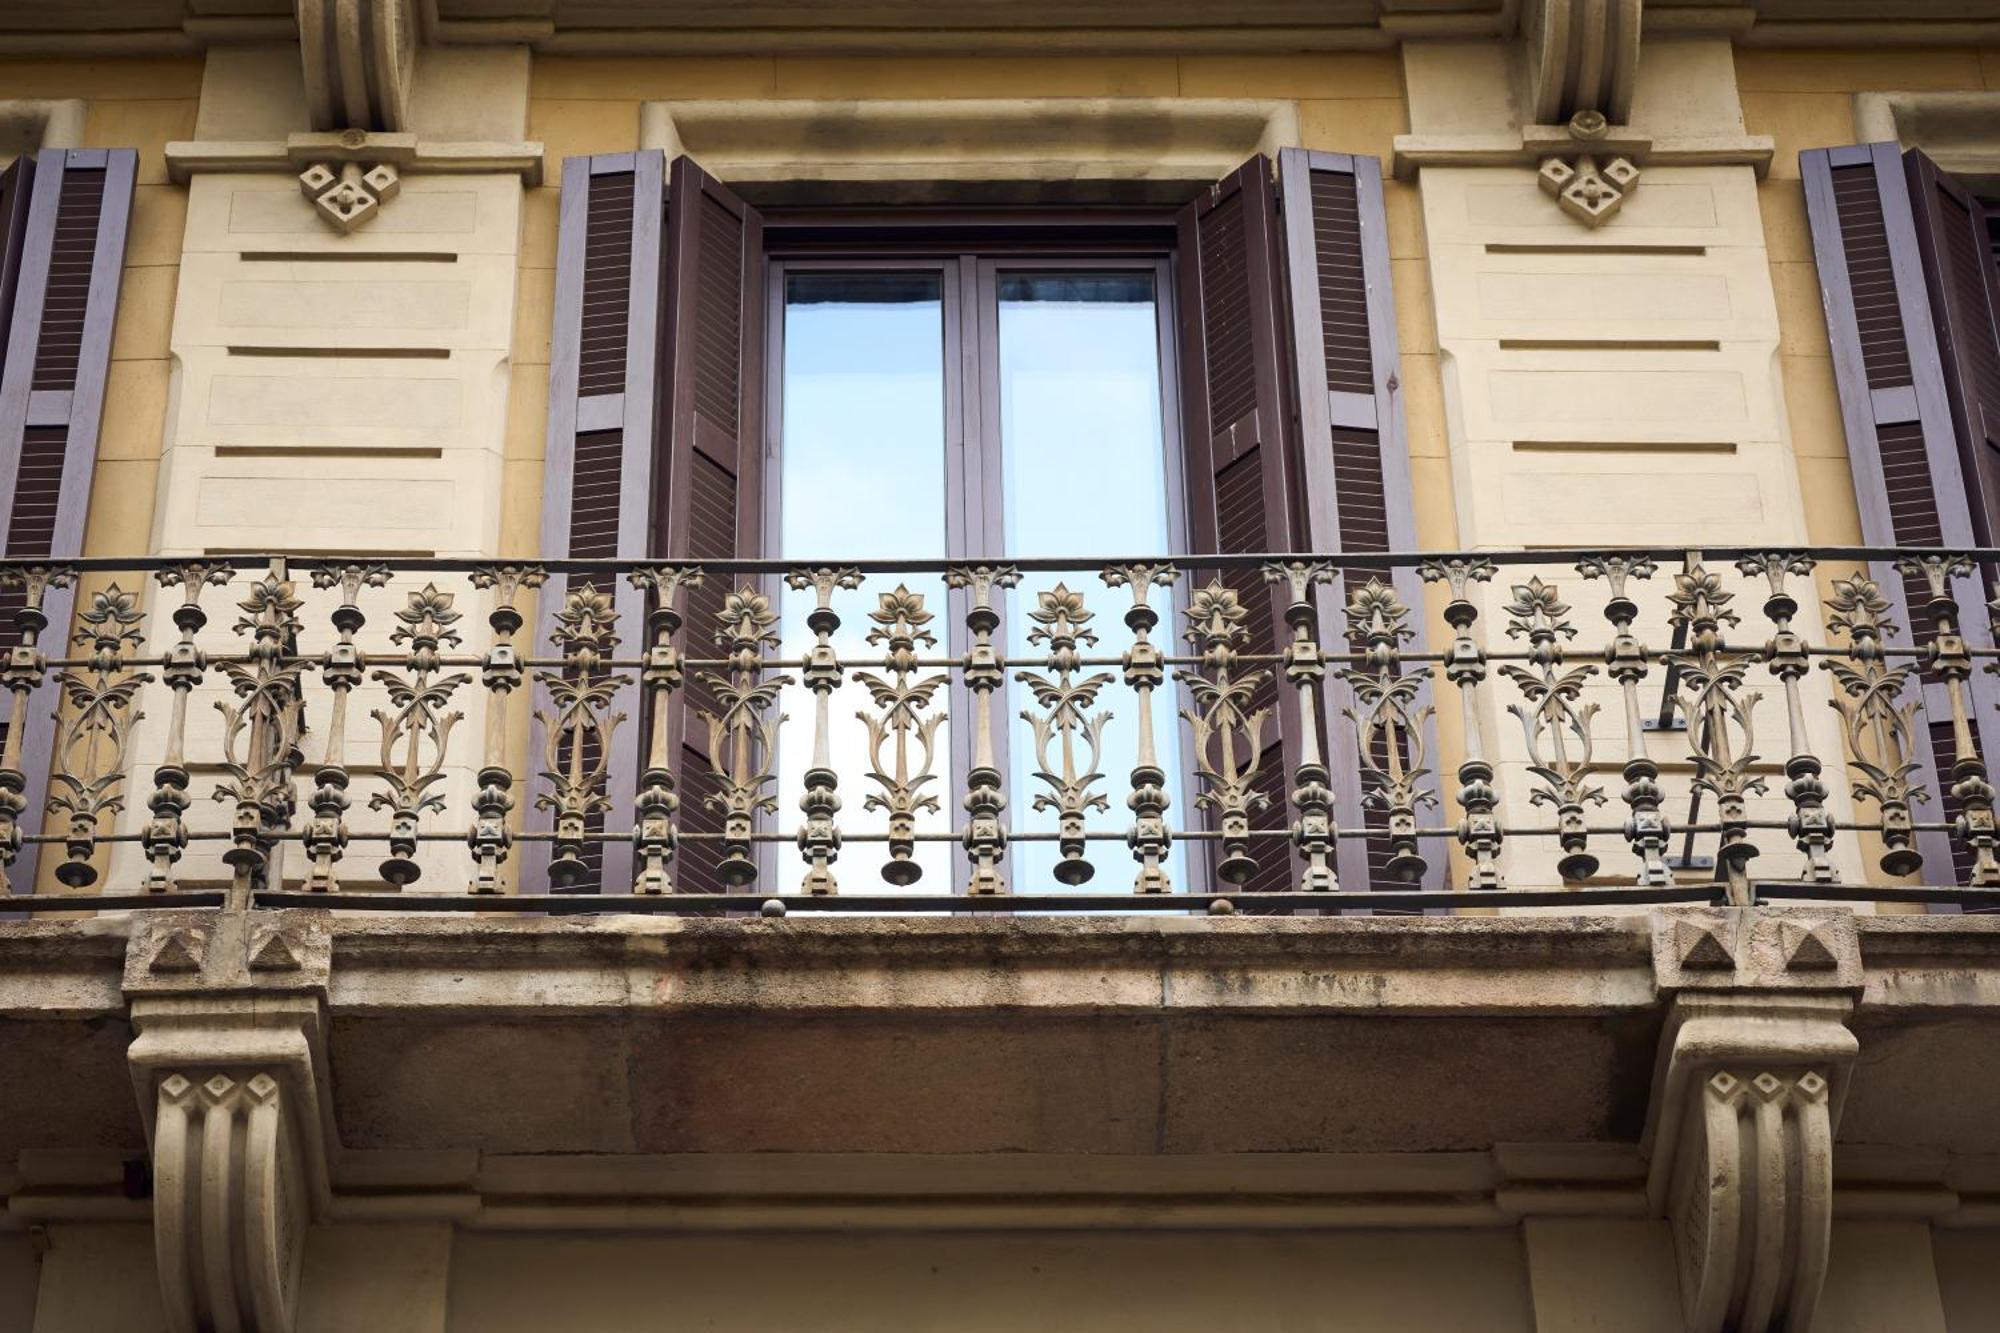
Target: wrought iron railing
[{"x": 1265, "y": 731}]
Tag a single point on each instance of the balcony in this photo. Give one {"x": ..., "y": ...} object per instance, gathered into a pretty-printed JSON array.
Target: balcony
[
  {"x": 582, "y": 896},
  {"x": 1217, "y": 733}
]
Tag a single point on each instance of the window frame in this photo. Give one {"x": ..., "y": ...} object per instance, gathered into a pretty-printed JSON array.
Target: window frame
[{"x": 970, "y": 251}]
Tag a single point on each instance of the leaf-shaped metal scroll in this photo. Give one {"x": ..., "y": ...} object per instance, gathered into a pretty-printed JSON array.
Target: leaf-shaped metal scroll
[
  {"x": 1228, "y": 732},
  {"x": 94, "y": 738},
  {"x": 420, "y": 719},
  {"x": 743, "y": 729},
  {"x": 1556, "y": 725},
  {"x": 902, "y": 735},
  {"x": 1388, "y": 721},
  {"x": 1880, "y": 727},
  {"x": 1069, "y": 737},
  {"x": 580, "y": 727}
]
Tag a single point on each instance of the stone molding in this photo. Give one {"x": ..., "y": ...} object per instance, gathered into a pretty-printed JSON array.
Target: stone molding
[
  {"x": 1583, "y": 55},
  {"x": 908, "y": 145},
  {"x": 1739, "y": 1148},
  {"x": 229, "y": 1068},
  {"x": 1961, "y": 131},
  {"x": 360, "y": 57},
  {"x": 1766, "y": 949},
  {"x": 409, "y": 154},
  {"x": 27, "y": 124}
]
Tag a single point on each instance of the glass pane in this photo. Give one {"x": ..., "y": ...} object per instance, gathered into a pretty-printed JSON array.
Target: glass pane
[
  {"x": 862, "y": 476},
  {"x": 1084, "y": 461}
]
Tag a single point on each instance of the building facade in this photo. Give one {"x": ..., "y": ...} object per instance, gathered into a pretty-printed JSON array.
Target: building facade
[{"x": 992, "y": 666}]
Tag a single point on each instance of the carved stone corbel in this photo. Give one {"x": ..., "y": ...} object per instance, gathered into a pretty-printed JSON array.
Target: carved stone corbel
[
  {"x": 360, "y": 58},
  {"x": 230, "y": 1073},
  {"x": 1583, "y": 59},
  {"x": 1752, "y": 1070}
]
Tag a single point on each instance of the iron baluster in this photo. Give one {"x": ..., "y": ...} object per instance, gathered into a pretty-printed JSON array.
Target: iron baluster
[
  {"x": 985, "y": 799},
  {"x": 164, "y": 838},
  {"x": 1144, "y": 672},
  {"x": 501, "y": 673},
  {"x": 1465, "y": 667},
  {"x": 819, "y": 835}
]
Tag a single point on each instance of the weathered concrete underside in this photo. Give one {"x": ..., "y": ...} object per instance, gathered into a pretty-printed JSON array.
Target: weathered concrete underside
[{"x": 868, "y": 1074}]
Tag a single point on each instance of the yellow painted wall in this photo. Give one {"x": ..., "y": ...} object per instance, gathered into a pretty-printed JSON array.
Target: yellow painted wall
[
  {"x": 1805, "y": 99},
  {"x": 1348, "y": 102},
  {"x": 138, "y": 104}
]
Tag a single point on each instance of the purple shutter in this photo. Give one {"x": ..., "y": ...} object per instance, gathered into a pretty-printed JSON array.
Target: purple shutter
[
  {"x": 1241, "y": 476},
  {"x": 604, "y": 410},
  {"x": 65, "y": 214},
  {"x": 712, "y": 501},
  {"x": 1354, "y": 451},
  {"x": 1911, "y": 475}
]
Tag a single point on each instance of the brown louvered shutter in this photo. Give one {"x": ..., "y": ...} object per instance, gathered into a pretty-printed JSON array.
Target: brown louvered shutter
[
  {"x": 1240, "y": 474},
  {"x": 604, "y": 408},
  {"x": 713, "y": 500},
  {"x": 1354, "y": 452},
  {"x": 66, "y": 215},
  {"x": 1911, "y": 475}
]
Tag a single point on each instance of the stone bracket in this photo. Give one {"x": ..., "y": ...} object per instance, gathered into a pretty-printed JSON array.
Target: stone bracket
[
  {"x": 229, "y": 1068},
  {"x": 1739, "y": 1148},
  {"x": 1764, "y": 949}
]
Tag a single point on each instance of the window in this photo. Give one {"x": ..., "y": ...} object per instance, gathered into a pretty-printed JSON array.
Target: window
[
  {"x": 731, "y": 385},
  {"x": 965, "y": 407}
]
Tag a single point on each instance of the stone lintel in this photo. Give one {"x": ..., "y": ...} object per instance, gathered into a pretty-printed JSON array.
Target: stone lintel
[{"x": 408, "y": 153}]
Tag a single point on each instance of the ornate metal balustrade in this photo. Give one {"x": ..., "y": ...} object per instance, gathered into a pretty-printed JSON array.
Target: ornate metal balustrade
[{"x": 843, "y": 735}]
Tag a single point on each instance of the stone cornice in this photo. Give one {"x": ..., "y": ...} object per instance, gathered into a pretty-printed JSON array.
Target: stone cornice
[
  {"x": 408, "y": 153},
  {"x": 130, "y": 27},
  {"x": 1529, "y": 145}
]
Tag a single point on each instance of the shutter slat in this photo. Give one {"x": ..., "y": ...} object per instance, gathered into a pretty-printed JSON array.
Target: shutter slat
[
  {"x": 1356, "y": 480},
  {"x": 599, "y": 483},
  {"x": 1238, "y": 464},
  {"x": 713, "y": 453},
  {"x": 1879, "y": 236},
  {"x": 64, "y": 214}
]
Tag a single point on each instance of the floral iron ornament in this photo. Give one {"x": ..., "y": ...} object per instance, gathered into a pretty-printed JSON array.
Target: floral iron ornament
[
  {"x": 902, "y": 739},
  {"x": 1880, "y": 728},
  {"x": 1228, "y": 732},
  {"x": 1719, "y": 712},
  {"x": 93, "y": 740},
  {"x": 261, "y": 729},
  {"x": 417, "y": 720},
  {"x": 578, "y": 749},
  {"x": 1557, "y": 727},
  {"x": 1388, "y": 721},
  {"x": 743, "y": 727},
  {"x": 1069, "y": 738}
]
